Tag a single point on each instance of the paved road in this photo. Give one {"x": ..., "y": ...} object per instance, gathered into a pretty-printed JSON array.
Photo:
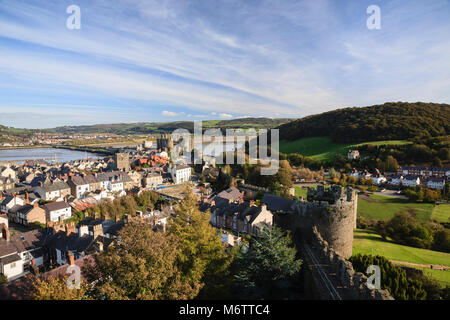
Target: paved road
[
  {"x": 391, "y": 193},
  {"x": 435, "y": 266}
]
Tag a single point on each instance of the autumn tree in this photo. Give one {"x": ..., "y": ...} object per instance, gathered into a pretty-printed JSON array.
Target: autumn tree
[
  {"x": 55, "y": 289},
  {"x": 203, "y": 257},
  {"x": 143, "y": 266}
]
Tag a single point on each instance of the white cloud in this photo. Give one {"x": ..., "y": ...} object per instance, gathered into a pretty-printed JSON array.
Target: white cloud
[
  {"x": 170, "y": 113},
  {"x": 225, "y": 116}
]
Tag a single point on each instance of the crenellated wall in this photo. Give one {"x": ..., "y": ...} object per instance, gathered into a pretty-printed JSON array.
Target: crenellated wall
[
  {"x": 332, "y": 211},
  {"x": 354, "y": 282},
  {"x": 325, "y": 222}
]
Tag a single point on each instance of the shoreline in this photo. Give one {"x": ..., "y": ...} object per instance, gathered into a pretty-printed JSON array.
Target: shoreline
[
  {"x": 25, "y": 147},
  {"x": 95, "y": 153}
]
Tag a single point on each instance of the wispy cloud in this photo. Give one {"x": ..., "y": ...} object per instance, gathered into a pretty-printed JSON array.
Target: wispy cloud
[{"x": 289, "y": 58}]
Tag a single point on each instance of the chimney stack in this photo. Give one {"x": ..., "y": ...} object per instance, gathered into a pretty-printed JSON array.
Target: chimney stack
[
  {"x": 97, "y": 230},
  {"x": 82, "y": 230},
  {"x": 5, "y": 233},
  {"x": 70, "y": 228},
  {"x": 71, "y": 258}
]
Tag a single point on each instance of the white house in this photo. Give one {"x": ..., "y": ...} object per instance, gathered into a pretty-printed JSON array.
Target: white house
[
  {"x": 411, "y": 181},
  {"x": 53, "y": 191},
  {"x": 353, "y": 154},
  {"x": 436, "y": 183},
  {"x": 396, "y": 180},
  {"x": 379, "y": 179},
  {"x": 57, "y": 211},
  {"x": 78, "y": 186},
  {"x": 8, "y": 172},
  {"x": 111, "y": 181},
  {"x": 180, "y": 173},
  {"x": 19, "y": 252},
  {"x": 8, "y": 202}
]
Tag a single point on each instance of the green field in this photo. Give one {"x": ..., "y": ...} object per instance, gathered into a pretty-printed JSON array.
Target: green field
[
  {"x": 441, "y": 213},
  {"x": 381, "y": 208},
  {"x": 366, "y": 240},
  {"x": 443, "y": 277},
  {"x": 322, "y": 148},
  {"x": 300, "y": 192}
]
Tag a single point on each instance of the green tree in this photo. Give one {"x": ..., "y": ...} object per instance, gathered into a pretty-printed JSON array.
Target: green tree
[
  {"x": 391, "y": 163},
  {"x": 203, "y": 257},
  {"x": 269, "y": 266}
]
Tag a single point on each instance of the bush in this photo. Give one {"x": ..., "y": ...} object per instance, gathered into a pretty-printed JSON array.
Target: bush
[
  {"x": 3, "y": 279},
  {"x": 394, "y": 279}
]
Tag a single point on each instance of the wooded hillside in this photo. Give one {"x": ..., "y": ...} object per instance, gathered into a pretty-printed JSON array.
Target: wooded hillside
[{"x": 392, "y": 120}]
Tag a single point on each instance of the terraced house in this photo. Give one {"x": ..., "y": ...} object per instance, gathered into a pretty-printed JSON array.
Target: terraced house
[
  {"x": 27, "y": 214},
  {"x": 6, "y": 183},
  {"x": 19, "y": 252},
  {"x": 53, "y": 191},
  {"x": 57, "y": 211},
  {"x": 111, "y": 181},
  {"x": 80, "y": 185}
]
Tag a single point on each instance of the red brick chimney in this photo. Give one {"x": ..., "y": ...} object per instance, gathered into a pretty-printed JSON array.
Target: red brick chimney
[
  {"x": 71, "y": 258},
  {"x": 27, "y": 201},
  {"x": 70, "y": 228}
]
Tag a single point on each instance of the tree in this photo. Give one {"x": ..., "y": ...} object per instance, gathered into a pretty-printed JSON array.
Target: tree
[
  {"x": 203, "y": 257},
  {"x": 391, "y": 163},
  {"x": 142, "y": 265},
  {"x": 56, "y": 289},
  {"x": 269, "y": 266},
  {"x": 334, "y": 174}
]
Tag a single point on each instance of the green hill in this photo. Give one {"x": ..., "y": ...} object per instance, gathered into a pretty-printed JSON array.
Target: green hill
[
  {"x": 389, "y": 121},
  {"x": 381, "y": 208},
  {"x": 323, "y": 148},
  {"x": 369, "y": 242},
  {"x": 167, "y": 127}
]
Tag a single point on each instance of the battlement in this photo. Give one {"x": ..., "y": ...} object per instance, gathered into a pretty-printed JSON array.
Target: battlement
[
  {"x": 332, "y": 195},
  {"x": 331, "y": 210}
]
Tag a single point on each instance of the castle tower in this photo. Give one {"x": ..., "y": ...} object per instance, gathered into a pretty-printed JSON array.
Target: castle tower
[
  {"x": 331, "y": 211},
  {"x": 122, "y": 161}
]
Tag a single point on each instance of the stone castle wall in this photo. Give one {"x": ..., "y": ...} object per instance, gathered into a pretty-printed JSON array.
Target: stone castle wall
[
  {"x": 326, "y": 222},
  {"x": 332, "y": 212},
  {"x": 354, "y": 282}
]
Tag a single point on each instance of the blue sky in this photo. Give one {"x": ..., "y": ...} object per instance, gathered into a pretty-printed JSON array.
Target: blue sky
[{"x": 156, "y": 60}]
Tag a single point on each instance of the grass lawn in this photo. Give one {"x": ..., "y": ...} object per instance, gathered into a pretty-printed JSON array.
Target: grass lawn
[
  {"x": 300, "y": 192},
  {"x": 441, "y": 276},
  {"x": 322, "y": 148},
  {"x": 381, "y": 208},
  {"x": 441, "y": 213},
  {"x": 366, "y": 240}
]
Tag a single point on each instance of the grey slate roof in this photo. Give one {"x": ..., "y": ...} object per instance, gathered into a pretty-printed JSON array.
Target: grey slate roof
[{"x": 52, "y": 206}]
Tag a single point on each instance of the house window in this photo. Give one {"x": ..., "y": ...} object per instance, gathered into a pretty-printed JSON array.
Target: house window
[{"x": 13, "y": 265}]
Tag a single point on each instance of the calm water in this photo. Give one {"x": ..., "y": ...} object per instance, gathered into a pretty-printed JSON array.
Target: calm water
[{"x": 62, "y": 155}]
